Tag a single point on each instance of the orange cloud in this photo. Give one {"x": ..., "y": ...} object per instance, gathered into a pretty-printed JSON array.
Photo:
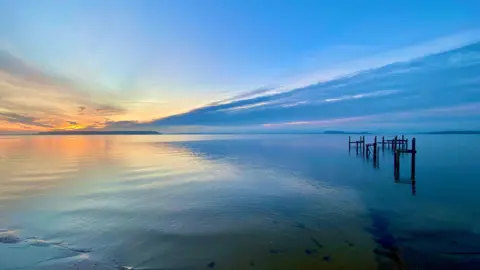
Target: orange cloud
[{"x": 33, "y": 100}]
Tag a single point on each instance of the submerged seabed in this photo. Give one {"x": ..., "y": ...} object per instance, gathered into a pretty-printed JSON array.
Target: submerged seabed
[{"x": 235, "y": 202}]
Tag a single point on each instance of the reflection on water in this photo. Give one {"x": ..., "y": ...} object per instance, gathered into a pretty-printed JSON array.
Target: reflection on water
[{"x": 234, "y": 202}]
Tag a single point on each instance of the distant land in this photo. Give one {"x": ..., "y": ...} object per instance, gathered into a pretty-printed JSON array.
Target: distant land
[
  {"x": 97, "y": 132},
  {"x": 446, "y": 132},
  {"x": 268, "y": 133}
]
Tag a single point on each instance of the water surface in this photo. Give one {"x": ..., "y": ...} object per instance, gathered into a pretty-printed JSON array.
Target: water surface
[{"x": 235, "y": 202}]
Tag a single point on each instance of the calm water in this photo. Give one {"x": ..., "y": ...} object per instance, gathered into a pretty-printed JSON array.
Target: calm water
[{"x": 235, "y": 202}]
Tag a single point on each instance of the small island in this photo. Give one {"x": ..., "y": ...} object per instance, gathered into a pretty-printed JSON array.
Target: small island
[{"x": 98, "y": 132}]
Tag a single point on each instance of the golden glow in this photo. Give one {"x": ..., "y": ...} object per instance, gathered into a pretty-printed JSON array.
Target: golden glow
[
  {"x": 42, "y": 103},
  {"x": 48, "y": 162}
]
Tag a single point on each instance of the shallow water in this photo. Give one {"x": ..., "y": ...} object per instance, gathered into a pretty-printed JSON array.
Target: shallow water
[{"x": 235, "y": 202}]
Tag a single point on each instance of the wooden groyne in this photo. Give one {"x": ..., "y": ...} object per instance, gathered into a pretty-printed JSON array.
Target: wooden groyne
[
  {"x": 396, "y": 162},
  {"x": 395, "y": 143},
  {"x": 398, "y": 145},
  {"x": 360, "y": 143},
  {"x": 372, "y": 148}
]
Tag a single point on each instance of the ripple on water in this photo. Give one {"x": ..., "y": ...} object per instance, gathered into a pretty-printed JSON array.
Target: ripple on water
[
  {"x": 36, "y": 253},
  {"x": 9, "y": 237}
]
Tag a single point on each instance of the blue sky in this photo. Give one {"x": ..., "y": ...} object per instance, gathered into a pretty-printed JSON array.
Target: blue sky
[{"x": 152, "y": 59}]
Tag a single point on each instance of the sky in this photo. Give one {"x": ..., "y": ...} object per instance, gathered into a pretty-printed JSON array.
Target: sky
[{"x": 204, "y": 65}]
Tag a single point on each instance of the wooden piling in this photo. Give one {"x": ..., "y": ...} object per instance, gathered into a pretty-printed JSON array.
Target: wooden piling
[
  {"x": 414, "y": 152},
  {"x": 399, "y": 146},
  {"x": 363, "y": 142},
  {"x": 361, "y": 146}
]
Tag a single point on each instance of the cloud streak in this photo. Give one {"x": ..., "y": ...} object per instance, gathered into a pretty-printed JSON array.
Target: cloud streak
[
  {"x": 432, "y": 85},
  {"x": 363, "y": 95},
  {"x": 461, "y": 111},
  {"x": 15, "y": 118},
  {"x": 33, "y": 99}
]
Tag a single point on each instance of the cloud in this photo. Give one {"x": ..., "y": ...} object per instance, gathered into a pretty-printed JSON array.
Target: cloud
[
  {"x": 437, "y": 74},
  {"x": 422, "y": 84},
  {"x": 72, "y": 123},
  {"x": 247, "y": 95},
  {"x": 345, "y": 69},
  {"x": 109, "y": 110},
  {"x": 420, "y": 115},
  {"x": 249, "y": 106},
  {"x": 42, "y": 96},
  {"x": 124, "y": 125},
  {"x": 364, "y": 95},
  {"x": 16, "y": 118},
  {"x": 20, "y": 72},
  {"x": 349, "y": 68}
]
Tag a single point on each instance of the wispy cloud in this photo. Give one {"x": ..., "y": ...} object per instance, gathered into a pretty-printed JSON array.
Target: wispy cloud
[
  {"x": 109, "y": 110},
  {"x": 323, "y": 123},
  {"x": 420, "y": 86},
  {"x": 248, "y": 106},
  {"x": 81, "y": 109},
  {"x": 39, "y": 100},
  {"x": 413, "y": 82},
  {"x": 458, "y": 112},
  {"x": 15, "y": 118},
  {"x": 296, "y": 103},
  {"x": 247, "y": 95},
  {"x": 364, "y": 95},
  {"x": 353, "y": 67}
]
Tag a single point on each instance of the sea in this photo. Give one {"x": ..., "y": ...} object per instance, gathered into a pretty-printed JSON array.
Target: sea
[{"x": 237, "y": 202}]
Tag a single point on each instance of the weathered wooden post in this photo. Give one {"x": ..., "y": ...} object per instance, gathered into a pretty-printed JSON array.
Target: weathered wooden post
[
  {"x": 414, "y": 152},
  {"x": 363, "y": 142},
  {"x": 375, "y": 151},
  {"x": 349, "y": 143},
  {"x": 383, "y": 143},
  {"x": 394, "y": 144},
  {"x": 403, "y": 142},
  {"x": 361, "y": 145}
]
